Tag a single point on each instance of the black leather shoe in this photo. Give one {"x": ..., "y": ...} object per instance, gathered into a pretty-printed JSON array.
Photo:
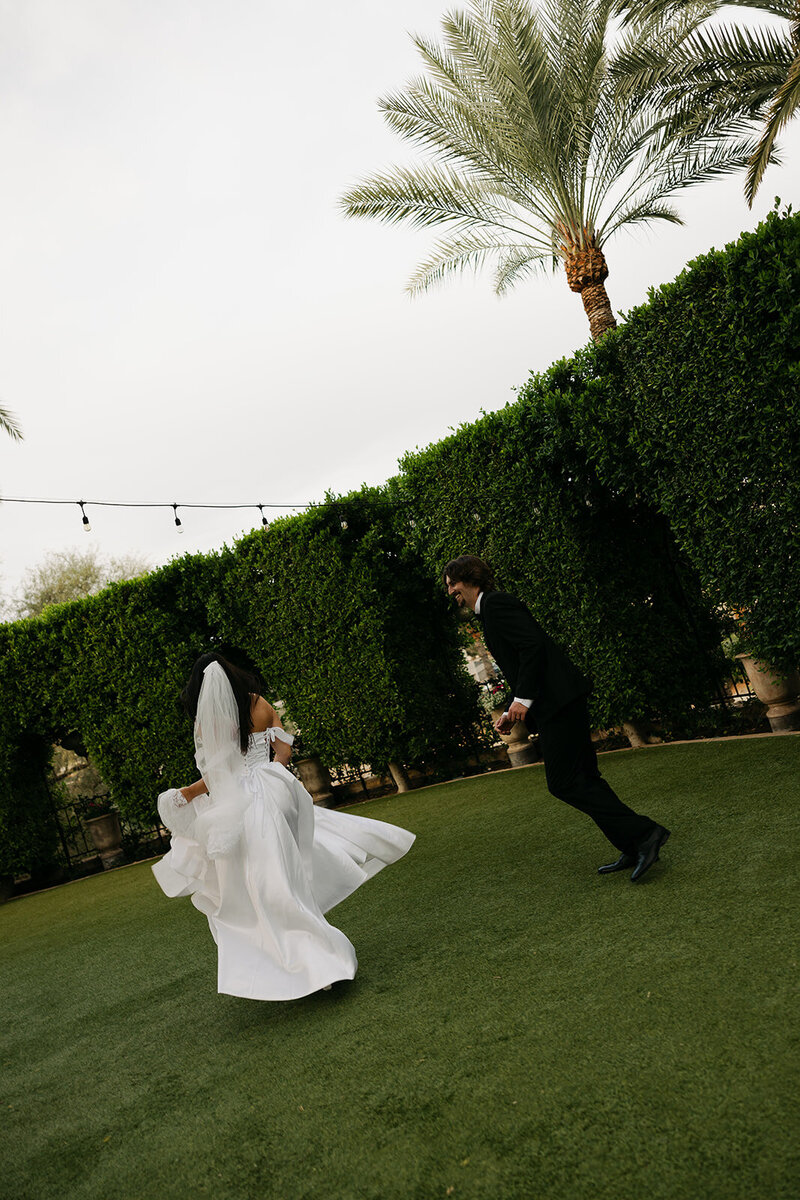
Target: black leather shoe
[
  {"x": 623, "y": 862},
  {"x": 647, "y": 851}
]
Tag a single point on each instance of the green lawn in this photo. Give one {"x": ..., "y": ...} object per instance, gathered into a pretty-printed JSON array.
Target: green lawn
[{"x": 520, "y": 1027}]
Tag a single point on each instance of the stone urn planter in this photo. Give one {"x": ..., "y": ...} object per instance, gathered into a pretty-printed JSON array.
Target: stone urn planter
[
  {"x": 106, "y": 835},
  {"x": 316, "y": 779},
  {"x": 777, "y": 690},
  {"x": 521, "y": 750}
]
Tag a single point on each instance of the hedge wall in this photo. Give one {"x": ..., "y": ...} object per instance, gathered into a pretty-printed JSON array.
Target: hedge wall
[{"x": 695, "y": 404}]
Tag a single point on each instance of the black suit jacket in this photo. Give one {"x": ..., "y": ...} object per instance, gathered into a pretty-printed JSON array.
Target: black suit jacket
[{"x": 535, "y": 667}]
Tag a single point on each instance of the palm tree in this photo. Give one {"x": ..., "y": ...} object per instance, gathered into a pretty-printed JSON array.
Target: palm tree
[
  {"x": 755, "y": 72},
  {"x": 536, "y": 154},
  {"x": 9, "y": 425}
]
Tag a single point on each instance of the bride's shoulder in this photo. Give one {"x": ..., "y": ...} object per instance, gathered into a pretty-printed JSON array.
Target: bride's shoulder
[{"x": 261, "y": 712}]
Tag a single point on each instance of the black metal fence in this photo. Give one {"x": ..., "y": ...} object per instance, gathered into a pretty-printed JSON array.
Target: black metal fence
[
  {"x": 76, "y": 851},
  {"x": 737, "y": 686},
  {"x": 354, "y": 783}
]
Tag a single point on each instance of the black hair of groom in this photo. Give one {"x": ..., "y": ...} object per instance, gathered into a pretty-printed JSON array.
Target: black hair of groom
[{"x": 468, "y": 568}]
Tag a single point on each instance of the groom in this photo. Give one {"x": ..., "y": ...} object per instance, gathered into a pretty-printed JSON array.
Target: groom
[{"x": 550, "y": 695}]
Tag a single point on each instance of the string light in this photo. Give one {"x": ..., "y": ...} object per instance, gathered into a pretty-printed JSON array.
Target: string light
[{"x": 82, "y": 504}]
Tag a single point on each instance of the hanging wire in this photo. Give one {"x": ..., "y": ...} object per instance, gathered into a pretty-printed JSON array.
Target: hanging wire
[
  {"x": 84, "y": 504},
  {"x": 154, "y": 504}
]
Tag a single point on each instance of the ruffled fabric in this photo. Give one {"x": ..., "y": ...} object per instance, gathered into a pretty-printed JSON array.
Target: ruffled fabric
[{"x": 265, "y": 899}]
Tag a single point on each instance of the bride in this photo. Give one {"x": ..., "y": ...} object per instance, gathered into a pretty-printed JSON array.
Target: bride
[{"x": 254, "y": 852}]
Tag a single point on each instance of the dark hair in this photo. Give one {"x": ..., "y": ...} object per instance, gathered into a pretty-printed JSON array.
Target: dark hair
[
  {"x": 245, "y": 684},
  {"x": 468, "y": 568}
]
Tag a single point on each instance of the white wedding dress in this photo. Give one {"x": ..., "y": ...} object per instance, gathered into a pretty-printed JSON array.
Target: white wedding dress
[{"x": 279, "y": 864}]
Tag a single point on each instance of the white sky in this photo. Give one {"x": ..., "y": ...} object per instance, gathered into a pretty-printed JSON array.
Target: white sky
[{"x": 184, "y": 313}]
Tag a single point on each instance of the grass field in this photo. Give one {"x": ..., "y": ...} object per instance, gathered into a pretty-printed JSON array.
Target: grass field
[{"x": 520, "y": 1028}]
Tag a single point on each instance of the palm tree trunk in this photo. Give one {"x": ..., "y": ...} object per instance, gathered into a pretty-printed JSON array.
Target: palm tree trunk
[
  {"x": 598, "y": 309},
  {"x": 587, "y": 270}
]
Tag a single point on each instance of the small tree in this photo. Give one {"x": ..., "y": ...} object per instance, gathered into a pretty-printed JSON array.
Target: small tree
[{"x": 70, "y": 575}]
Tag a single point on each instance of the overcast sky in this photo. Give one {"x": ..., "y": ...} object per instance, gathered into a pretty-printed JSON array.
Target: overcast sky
[{"x": 184, "y": 313}]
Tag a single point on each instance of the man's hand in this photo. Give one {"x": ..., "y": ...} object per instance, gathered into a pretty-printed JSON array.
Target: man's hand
[
  {"x": 504, "y": 724},
  {"x": 517, "y": 712}
]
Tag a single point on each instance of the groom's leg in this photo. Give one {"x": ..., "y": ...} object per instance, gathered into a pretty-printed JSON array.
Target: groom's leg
[{"x": 570, "y": 764}]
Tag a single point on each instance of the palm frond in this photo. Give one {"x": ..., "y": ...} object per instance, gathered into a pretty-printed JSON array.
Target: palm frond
[
  {"x": 643, "y": 213},
  {"x": 440, "y": 125},
  {"x": 518, "y": 262},
  {"x": 526, "y": 118},
  {"x": 644, "y": 11},
  {"x": 708, "y": 66},
  {"x": 430, "y": 195},
  {"x": 778, "y": 8},
  {"x": 468, "y": 253},
  {"x": 700, "y": 163},
  {"x": 506, "y": 131},
  {"x": 783, "y": 108},
  {"x": 10, "y": 425},
  {"x": 664, "y": 174}
]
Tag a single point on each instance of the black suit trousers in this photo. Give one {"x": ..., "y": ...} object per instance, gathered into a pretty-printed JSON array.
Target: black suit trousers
[{"x": 570, "y": 764}]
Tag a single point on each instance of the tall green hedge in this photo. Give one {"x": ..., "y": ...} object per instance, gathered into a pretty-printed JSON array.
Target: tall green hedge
[{"x": 694, "y": 404}]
